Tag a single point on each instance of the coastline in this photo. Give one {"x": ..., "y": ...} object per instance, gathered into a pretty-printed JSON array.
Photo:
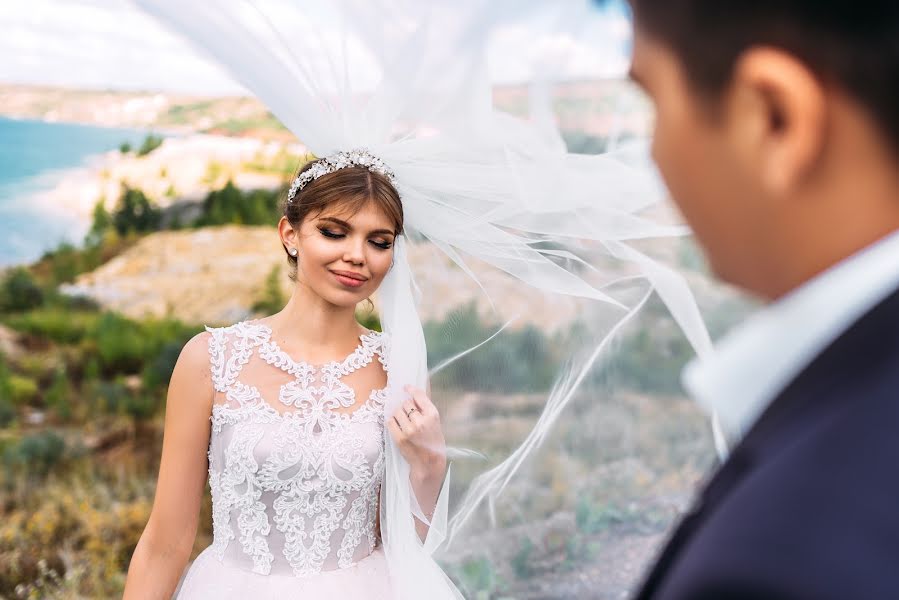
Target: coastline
[
  {"x": 179, "y": 169},
  {"x": 148, "y": 129},
  {"x": 185, "y": 167}
]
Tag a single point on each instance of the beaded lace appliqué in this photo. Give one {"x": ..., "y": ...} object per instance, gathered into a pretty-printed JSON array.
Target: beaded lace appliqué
[{"x": 324, "y": 486}]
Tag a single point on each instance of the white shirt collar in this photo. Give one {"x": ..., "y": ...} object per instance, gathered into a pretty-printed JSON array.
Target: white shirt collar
[{"x": 756, "y": 361}]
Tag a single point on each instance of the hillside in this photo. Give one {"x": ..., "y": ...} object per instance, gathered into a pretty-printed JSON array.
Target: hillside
[
  {"x": 215, "y": 274},
  {"x": 580, "y": 106}
]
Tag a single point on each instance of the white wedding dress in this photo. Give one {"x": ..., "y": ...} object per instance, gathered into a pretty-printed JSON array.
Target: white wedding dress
[{"x": 295, "y": 467}]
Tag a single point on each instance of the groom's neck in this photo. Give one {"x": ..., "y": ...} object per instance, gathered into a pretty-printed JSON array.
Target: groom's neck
[{"x": 850, "y": 204}]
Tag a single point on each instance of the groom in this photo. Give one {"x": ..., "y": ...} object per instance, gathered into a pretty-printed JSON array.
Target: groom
[{"x": 777, "y": 132}]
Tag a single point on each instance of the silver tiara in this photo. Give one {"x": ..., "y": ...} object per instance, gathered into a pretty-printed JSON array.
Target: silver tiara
[{"x": 358, "y": 157}]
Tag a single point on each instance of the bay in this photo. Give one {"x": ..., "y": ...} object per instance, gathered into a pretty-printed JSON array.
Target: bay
[{"x": 34, "y": 157}]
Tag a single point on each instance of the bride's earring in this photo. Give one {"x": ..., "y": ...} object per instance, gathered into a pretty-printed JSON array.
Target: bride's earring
[{"x": 293, "y": 252}]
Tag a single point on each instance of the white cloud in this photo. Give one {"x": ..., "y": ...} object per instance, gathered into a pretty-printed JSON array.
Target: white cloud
[
  {"x": 112, "y": 44},
  {"x": 79, "y": 43}
]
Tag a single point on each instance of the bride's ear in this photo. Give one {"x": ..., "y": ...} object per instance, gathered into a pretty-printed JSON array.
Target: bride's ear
[{"x": 289, "y": 236}]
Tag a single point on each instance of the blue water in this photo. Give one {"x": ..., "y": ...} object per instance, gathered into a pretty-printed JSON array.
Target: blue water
[{"x": 34, "y": 155}]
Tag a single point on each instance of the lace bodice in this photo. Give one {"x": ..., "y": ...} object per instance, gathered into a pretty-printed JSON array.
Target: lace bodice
[{"x": 295, "y": 462}]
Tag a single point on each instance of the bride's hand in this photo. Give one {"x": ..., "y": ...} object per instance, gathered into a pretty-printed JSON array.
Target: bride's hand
[{"x": 416, "y": 429}]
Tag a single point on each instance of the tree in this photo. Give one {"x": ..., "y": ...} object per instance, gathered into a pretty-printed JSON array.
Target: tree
[
  {"x": 19, "y": 291},
  {"x": 66, "y": 263},
  {"x": 272, "y": 299},
  {"x": 231, "y": 205},
  {"x": 151, "y": 143},
  {"x": 57, "y": 397},
  {"x": 135, "y": 213},
  {"x": 7, "y": 410},
  {"x": 102, "y": 221}
]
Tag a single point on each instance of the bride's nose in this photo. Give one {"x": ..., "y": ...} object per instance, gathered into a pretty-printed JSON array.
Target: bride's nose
[{"x": 354, "y": 252}]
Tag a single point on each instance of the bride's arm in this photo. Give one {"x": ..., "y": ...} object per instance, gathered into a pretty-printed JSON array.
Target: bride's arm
[
  {"x": 167, "y": 540},
  {"x": 418, "y": 433}
]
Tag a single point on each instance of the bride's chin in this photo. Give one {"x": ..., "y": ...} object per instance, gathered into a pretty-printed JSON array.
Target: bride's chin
[{"x": 343, "y": 298}]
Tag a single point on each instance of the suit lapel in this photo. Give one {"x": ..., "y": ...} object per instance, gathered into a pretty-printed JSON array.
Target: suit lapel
[{"x": 873, "y": 336}]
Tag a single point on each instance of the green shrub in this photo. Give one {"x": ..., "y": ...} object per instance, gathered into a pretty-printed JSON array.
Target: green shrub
[
  {"x": 135, "y": 213},
  {"x": 5, "y": 385},
  {"x": 35, "y": 454},
  {"x": 65, "y": 262},
  {"x": 100, "y": 225},
  {"x": 84, "y": 304},
  {"x": 58, "y": 324},
  {"x": 369, "y": 319},
  {"x": 59, "y": 397},
  {"x": 23, "y": 390},
  {"x": 7, "y": 410},
  {"x": 91, "y": 369},
  {"x": 125, "y": 147},
  {"x": 521, "y": 562},
  {"x": 272, "y": 299},
  {"x": 283, "y": 163},
  {"x": 591, "y": 517},
  {"x": 651, "y": 358},
  {"x": 479, "y": 579},
  {"x": 117, "y": 398},
  {"x": 151, "y": 143},
  {"x": 36, "y": 365},
  {"x": 139, "y": 406},
  {"x": 515, "y": 360},
  {"x": 161, "y": 332},
  {"x": 159, "y": 370},
  {"x": 231, "y": 205},
  {"x": 109, "y": 397},
  {"x": 121, "y": 345},
  {"x": 19, "y": 291}
]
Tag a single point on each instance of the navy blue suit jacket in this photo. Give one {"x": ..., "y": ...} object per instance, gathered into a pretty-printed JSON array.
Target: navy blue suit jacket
[{"x": 807, "y": 505}]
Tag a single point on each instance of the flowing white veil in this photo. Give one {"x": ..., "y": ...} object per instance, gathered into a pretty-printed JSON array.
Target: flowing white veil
[{"x": 489, "y": 198}]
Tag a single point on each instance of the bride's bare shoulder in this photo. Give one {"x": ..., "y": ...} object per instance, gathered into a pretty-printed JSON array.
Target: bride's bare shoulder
[
  {"x": 211, "y": 343},
  {"x": 195, "y": 354}
]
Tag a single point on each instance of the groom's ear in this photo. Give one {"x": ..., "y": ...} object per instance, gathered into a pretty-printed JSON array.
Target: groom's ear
[{"x": 776, "y": 117}]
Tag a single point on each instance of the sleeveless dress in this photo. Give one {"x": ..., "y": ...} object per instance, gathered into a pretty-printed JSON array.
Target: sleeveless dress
[{"x": 295, "y": 468}]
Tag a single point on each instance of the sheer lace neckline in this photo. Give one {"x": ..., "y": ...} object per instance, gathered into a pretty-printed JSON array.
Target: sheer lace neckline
[
  {"x": 368, "y": 340},
  {"x": 316, "y": 388}
]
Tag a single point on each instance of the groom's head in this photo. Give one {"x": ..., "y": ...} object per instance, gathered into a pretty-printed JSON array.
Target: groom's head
[{"x": 777, "y": 128}]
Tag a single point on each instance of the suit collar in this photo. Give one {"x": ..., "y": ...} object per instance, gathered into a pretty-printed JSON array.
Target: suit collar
[{"x": 755, "y": 362}]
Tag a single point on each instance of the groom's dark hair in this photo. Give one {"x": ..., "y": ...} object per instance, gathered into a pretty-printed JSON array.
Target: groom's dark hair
[{"x": 851, "y": 43}]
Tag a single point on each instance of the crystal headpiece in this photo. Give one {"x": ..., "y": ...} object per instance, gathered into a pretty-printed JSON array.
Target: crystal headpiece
[{"x": 358, "y": 157}]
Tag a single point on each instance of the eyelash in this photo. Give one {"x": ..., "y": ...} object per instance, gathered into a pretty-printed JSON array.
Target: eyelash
[{"x": 337, "y": 236}]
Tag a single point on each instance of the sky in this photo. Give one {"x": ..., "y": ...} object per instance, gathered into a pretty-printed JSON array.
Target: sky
[{"x": 112, "y": 44}]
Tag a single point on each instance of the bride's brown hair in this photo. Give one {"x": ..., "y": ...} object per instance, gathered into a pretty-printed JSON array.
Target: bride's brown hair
[{"x": 350, "y": 189}]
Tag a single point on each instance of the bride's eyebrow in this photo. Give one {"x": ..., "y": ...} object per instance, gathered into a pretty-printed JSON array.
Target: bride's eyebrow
[{"x": 348, "y": 227}]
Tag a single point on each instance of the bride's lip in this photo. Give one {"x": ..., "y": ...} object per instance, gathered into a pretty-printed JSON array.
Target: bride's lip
[
  {"x": 349, "y": 279},
  {"x": 350, "y": 275}
]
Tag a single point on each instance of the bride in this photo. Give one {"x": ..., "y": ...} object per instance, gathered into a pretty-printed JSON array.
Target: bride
[
  {"x": 296, "y": 400},
  {"x": 328, "y": 473}
]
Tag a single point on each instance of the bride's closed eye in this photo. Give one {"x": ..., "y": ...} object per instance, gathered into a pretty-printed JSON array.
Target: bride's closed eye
[{"x": 336, "y": 235}]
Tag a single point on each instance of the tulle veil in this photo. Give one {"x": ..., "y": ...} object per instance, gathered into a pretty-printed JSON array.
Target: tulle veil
[{"x": 494, "y": 204}]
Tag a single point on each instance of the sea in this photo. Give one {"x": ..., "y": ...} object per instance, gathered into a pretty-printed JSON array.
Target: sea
[{"x": 34, "y": 157}]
